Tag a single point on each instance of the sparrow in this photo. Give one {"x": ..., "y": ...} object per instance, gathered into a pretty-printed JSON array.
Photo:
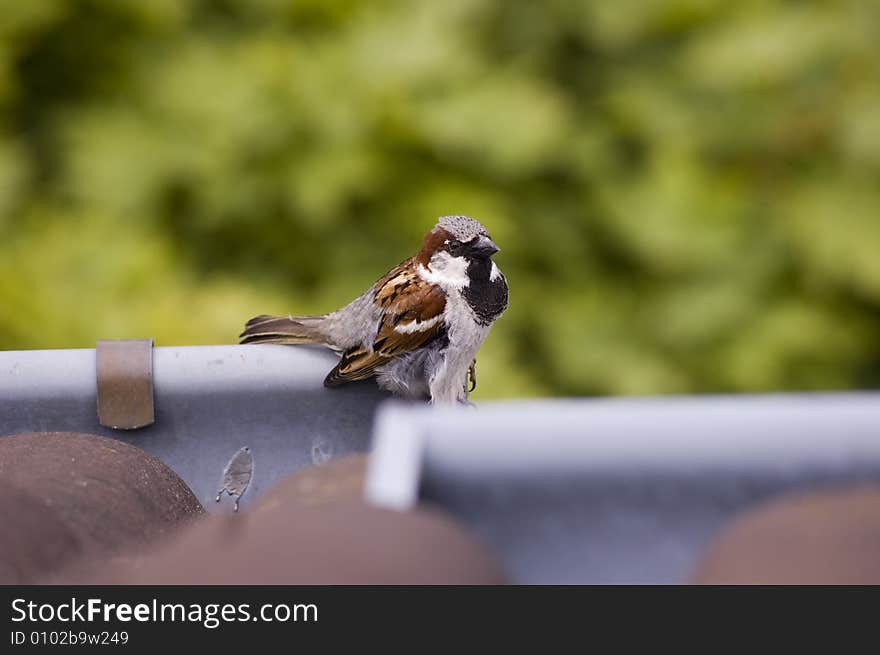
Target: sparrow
[{"x": 418, "y": 329}]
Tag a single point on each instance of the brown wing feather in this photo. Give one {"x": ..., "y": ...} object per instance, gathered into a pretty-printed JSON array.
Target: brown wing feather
[{"x": 411, "y": 319}]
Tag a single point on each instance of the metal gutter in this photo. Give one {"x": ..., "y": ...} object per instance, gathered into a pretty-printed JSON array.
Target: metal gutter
[
  {"x": 209, "y": 402},
  {"x": 618, "y": 490}
]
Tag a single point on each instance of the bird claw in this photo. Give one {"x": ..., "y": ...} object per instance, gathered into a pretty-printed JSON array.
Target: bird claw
[{"x": 472, "y": 376}]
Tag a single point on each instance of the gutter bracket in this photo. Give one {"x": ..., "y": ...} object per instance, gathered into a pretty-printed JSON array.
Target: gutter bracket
[{"x": 125, "y": 383}]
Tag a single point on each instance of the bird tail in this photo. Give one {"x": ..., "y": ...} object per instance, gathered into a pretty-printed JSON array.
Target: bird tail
[{"x": 284, "y": 330}]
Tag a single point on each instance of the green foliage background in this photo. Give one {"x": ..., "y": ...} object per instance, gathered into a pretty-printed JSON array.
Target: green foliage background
[{"x": 687, "y": 192}]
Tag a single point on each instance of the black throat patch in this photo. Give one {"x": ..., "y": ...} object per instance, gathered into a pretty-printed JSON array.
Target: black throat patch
[{"x": 487, "y": 298}]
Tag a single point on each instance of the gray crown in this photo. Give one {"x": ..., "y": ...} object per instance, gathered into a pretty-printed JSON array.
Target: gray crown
[{"x": 463, "y": 228}]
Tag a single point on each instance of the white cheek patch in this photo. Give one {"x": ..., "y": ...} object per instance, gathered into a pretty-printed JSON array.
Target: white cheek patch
[
  {"x": 495, "y": 274},
  {"x": 417, "y": 326},
  {"x": 446, "y": 271}
]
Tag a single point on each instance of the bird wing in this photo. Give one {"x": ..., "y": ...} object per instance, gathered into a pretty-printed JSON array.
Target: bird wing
[{"x": 412, "y": 316}]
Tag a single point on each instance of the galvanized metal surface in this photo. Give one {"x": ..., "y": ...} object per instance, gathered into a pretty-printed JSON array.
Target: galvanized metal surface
[
  {"x": 623, "y": 490},
  {"x": 210, "y": 401},
  {"x": 591, "y": 491}
]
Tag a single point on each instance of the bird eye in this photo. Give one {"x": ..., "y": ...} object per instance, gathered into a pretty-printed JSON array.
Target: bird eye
[{"x": 453, "y": 245}]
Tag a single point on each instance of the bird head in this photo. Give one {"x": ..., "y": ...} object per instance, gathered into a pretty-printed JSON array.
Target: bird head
[
  {"x": 459, "y": 237},
  {"x": 456, "y": 245}
]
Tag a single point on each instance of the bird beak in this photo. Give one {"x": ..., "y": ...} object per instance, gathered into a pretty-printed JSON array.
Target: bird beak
[{"x": 486, "y": 247}]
